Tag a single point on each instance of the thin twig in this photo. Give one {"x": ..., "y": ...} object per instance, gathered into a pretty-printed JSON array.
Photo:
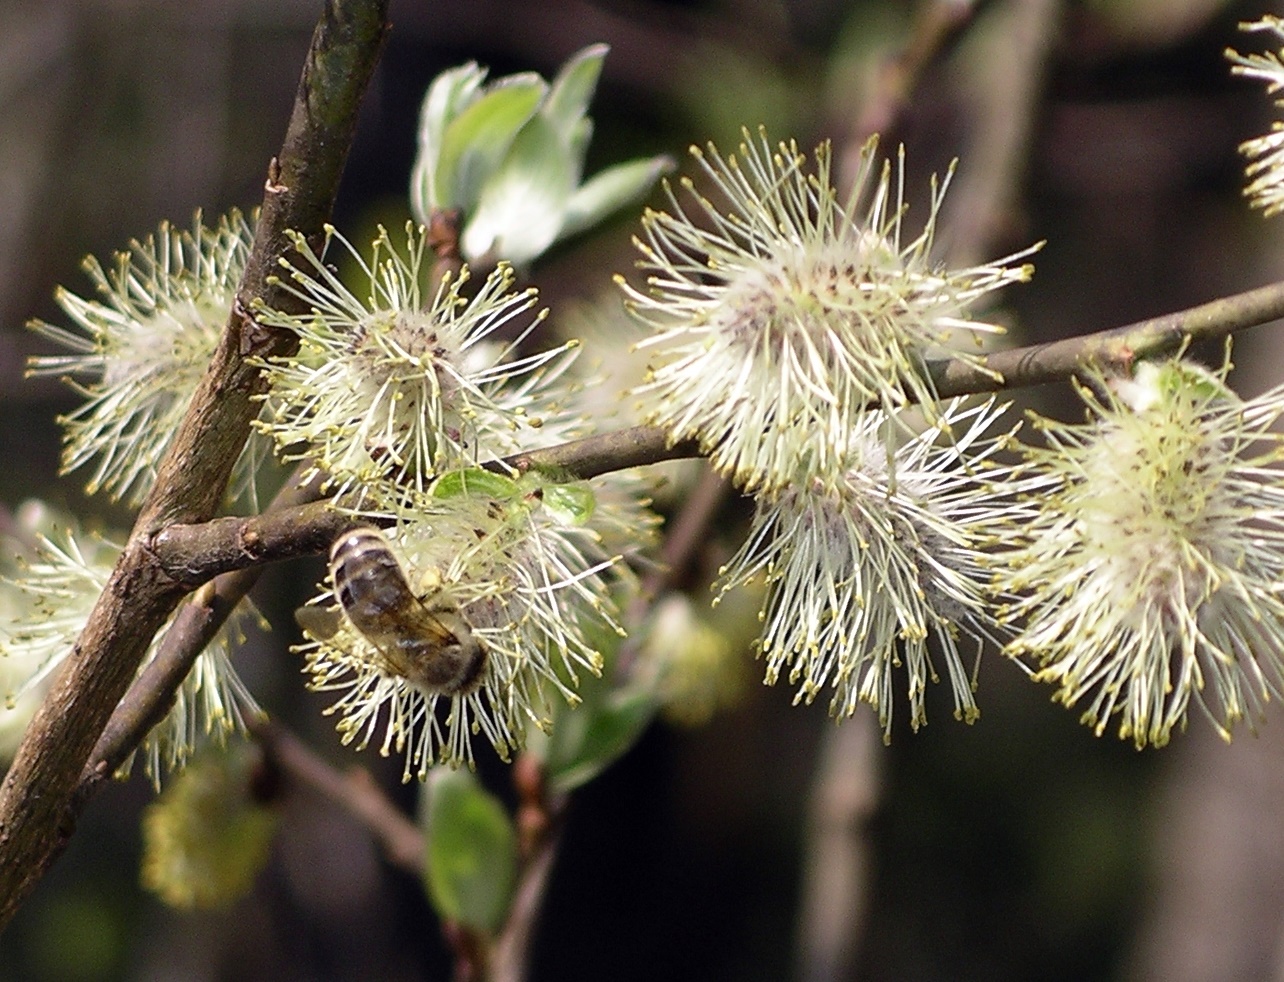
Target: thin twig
[
  {"x": 192, "y": 553},
  {"x": 687, "y": 532},
  {"x": 355, "y": 791},
  {"x": 844, "y": 794},
  {"x": 1113, "y": 350},
  {"x": 510, "y": 961},
  {"x": 150, "y": 696},
  {"x": 36, "y": 798},
  {"x": 936, "y": 24},
  {"x": 1001, "y": 99},
  {"x": 540, "y": 815},
  {"x": 606, "y": 452},
  {"x": 684, "y": 536}
]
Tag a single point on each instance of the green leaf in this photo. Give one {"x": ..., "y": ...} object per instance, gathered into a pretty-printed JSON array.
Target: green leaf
[
  {"x": 474, "y": 480},
  {"x": 479, "y": 137},
  {"x": 471, "y": 865},
  {"x": 449, "y": 94},
  {"x": 570, "y": 504},
  {"x": 1191, "y": 380},
  {"x": 519, "y": 211},
  {"x": 587, "y": 739},
  {"x": 611, "y": 189},
  {"x": 577, "y": 148},
  {"x": 572, "y": 90}
]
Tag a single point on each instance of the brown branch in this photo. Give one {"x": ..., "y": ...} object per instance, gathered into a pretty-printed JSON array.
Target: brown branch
[
  {"x": 152, "y": 694},
  {"x": 510, "y": 955},
  {"x": 606, "y": 452},
  {"x": 687, "y": 533},
  {"x": 1002, "y": 98},
  {"x": 1115, "y": 349},
  {"x": 540, "y": 814},
  {"x": 193, "y": 553},
  {"x": 540, "y": 817},
  {"x": 683, "y": 538},
  {"x": 355, "y": 791},
  {"x": 36, "y": 819},
  {"x": 936, "y": 24},
  {"x": 836, "y": 863}
]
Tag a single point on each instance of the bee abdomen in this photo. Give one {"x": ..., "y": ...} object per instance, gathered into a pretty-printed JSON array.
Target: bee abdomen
[{"x": 368, "y": 580}]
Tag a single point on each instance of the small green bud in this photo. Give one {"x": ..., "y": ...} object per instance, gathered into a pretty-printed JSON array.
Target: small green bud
[
  {"x": 1160, "y": 384},
  {"x": 572, "y": 504},
  {"x": 473, "y": 480}
]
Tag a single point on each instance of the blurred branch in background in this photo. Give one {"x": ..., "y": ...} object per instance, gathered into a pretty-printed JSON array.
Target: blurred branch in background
[
  {"x": 1003, "y": 54},
  {"x": 838, "y": 857},
  {"x": 354, "y": 790},
  {"x": 1217, "y": 911},
  {"x": 1001, "y": 76}
]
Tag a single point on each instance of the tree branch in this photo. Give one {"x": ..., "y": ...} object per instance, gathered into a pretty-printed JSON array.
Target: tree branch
[
  {"x": 540, "y": 816},
  {"x": 936, "y": 24},
  {"x": 35, "y": 818},
  {"x": 355, "y": 791},
  {"x": 194, "y": 553},
  {"x": 1116, "y": 349},
  {"x": 151, "y": 695}
]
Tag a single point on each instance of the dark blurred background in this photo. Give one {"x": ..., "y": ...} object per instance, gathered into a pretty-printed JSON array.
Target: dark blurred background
[{"x": 1019, "y": 848}]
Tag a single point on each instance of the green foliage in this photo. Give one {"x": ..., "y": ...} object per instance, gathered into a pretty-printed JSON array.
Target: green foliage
[
  {"x": 510, "y": 157},
  {"x": 471, "y": 865},
  {"x": 587, "y": 739},
  {"x": 473, "y": 480}
]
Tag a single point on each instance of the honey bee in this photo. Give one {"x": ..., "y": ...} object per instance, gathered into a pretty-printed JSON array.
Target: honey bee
[{"x": 422, "y": 639}]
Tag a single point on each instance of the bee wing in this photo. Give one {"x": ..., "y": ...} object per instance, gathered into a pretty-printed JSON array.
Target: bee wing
[
  {"x": 441, "y": 652},
  {"x": 440, "y": 625},
  {"x": 319, "y": 623}
]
